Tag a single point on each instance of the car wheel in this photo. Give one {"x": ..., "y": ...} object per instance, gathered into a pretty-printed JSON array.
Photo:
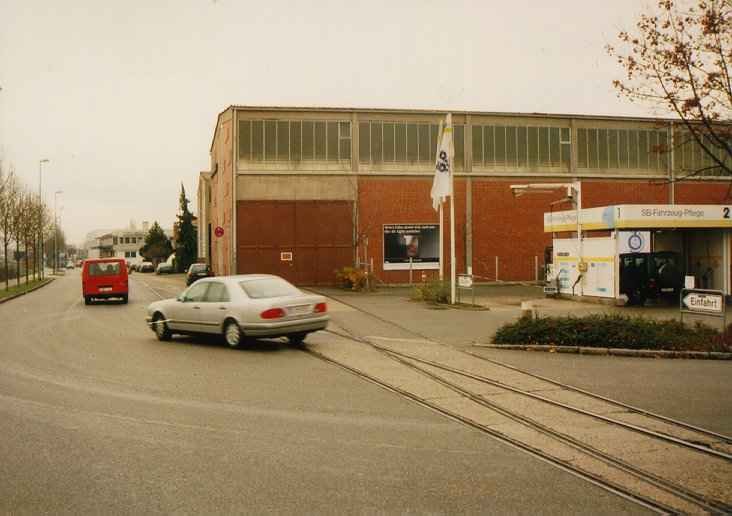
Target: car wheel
[
  {"x": 124, "y": 299},
  {"x": 232, "y": 334},
  {"x": 87, "y": 300},
  {"x": 162, "y": 332},
  {"x": 297, "y": 339}
]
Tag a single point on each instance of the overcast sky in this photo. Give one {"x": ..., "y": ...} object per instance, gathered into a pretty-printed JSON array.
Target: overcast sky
[{"x": 122, "y": 97}]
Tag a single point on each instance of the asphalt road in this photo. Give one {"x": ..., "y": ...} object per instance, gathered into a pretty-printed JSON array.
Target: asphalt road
[{"x": 96, "y": 416}]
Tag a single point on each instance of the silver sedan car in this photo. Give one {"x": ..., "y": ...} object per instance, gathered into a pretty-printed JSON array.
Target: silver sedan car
[{"x": 240, "y": 307}]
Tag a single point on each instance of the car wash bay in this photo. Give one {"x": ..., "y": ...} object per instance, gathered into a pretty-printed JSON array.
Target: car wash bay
[{"x": 698, "y": 234}]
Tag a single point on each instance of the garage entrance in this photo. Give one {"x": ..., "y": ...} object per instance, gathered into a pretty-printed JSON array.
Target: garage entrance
[
  {"x": 642, "y": 249},
  {"x": 302, "y": 241}
]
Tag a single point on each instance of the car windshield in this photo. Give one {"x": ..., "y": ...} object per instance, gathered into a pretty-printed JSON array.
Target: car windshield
[
  {"x": 103, "y": 269},
  {"x": 662, "y": 260},
  {"x": 268, "y": 287},
  {"x": 198, "y": 267}
]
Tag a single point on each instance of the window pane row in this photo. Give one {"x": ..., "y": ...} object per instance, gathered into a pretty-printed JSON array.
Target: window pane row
[
  {"x": 520, "y": 146},
  {"x": 404, "y": 142},
  {"x": 622, "y": 149},
  {"x": 690, "y": 157},
  {"x": 294, "y": 140}
]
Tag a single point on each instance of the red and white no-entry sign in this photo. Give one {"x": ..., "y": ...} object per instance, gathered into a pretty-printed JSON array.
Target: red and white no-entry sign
[{"x": 219, "y": 231}]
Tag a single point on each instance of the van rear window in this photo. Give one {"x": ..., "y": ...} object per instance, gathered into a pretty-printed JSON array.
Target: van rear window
[{"x": 104, "y": 269}]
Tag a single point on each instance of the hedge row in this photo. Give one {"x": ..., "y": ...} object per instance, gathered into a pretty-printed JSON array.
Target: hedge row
[{"x": 614, "y": 331}]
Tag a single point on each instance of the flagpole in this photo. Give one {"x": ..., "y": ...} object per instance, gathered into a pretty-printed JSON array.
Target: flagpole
[
  {"x": 442, "y": 244},
  {"x": 442, "y": 217},
  {"x": 452, "y": 221}
]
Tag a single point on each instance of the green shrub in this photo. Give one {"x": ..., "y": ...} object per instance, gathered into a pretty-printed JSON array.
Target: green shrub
[
  {"x": 352, "y": 278},
  {"x": 613, "y": 331},
  {"x": 432, "y": 292}
]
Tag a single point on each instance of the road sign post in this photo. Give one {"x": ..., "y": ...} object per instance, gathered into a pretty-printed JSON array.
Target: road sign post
[
  {"x": 465, "y": 281},
  {"x": 703, "y": 302}
]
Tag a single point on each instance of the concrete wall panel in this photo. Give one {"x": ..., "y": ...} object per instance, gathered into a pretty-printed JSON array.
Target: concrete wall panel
[{"x": 291, "y": 188}]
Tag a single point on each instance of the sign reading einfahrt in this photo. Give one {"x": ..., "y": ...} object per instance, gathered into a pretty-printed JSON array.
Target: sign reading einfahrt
[{"x": 705, "y": 301}]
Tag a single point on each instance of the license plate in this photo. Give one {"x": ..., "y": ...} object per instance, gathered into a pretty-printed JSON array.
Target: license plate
[
  {"x": 299, "y": 310},
  {"x": 667, "y": 290},
  {"x": 105, "y": 289}
]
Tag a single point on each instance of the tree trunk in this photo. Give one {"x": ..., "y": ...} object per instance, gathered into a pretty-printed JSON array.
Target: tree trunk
[
  {"x": 17, "y": 263},
  {"x": 25, "y": 241},
  {"x": 7, "y": 272},
  {"x": 35, "y": 259}
]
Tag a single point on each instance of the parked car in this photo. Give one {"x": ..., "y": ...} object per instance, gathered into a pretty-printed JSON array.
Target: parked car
[
  {"x": 651, "y": 276},
  {"x": 146, "y": 267},
  {"x": 165, "y": 268},
  {"x": 240, "y": 307},
  {"x": 197, "y": 271},
  {"x": 69, "y": 265},
  {"x": 103, "y": 279}
]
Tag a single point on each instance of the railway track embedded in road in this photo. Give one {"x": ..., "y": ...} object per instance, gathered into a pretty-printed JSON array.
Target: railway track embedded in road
[{"x": 707, "y": 450}]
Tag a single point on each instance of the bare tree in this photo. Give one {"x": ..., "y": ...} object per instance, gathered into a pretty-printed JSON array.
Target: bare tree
[
  {"x": 43, "y": 221},
  {"x": 679, "y": 58},
  {"x": 17, "y": 229},
  {"x": 8, "y": 200},
  {"x": 28, "y": 228}
]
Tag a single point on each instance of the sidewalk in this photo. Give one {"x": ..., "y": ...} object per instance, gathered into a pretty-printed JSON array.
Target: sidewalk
[{"x": 501, "y": 303}]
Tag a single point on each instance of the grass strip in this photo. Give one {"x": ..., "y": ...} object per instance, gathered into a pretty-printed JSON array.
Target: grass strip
[{"x": 19, "y": 289}]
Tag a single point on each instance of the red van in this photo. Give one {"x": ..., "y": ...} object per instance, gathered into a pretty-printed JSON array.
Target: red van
[{"x": 104, "y": 278}]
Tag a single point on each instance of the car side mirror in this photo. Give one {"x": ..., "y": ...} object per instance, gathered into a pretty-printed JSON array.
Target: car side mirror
[{"x": 181, "y": 298}]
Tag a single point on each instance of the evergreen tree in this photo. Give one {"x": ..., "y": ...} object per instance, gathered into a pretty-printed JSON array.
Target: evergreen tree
[
  {"x": 157, "y": 246},
  {"x": 186, "y": 246}
]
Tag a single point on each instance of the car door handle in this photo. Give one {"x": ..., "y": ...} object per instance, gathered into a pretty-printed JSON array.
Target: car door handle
[
  {"x": 196, "y": 307},
  {"x": 222, "y": 308}
]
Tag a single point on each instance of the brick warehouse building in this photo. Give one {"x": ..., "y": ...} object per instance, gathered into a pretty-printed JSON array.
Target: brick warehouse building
[{"x": 300, "y": 192}]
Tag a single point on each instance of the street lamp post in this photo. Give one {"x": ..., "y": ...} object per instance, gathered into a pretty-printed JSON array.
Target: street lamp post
[
  {"x": 55, "y": 232},
  {"x": 40, "y": 196}
]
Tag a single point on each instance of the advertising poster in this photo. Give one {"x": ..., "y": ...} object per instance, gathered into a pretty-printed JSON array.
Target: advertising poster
[{"x": 419, "y": 243}]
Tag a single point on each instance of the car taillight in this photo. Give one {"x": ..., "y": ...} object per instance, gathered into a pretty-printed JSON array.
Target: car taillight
[
  {"x": 272, "y": 313},
  {"x": 320, "y": 308}
]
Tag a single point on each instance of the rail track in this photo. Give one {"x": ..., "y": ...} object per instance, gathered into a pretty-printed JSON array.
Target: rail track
[{"x": 561, "y": 439}]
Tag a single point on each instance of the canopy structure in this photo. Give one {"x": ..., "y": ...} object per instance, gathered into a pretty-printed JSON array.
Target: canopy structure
[{"x": 641, "y": 216}]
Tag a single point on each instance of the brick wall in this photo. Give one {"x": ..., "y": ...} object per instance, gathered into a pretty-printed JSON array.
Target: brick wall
[
  {"x": 404, "y": 201},
  {"x": 221, "y": 196},
  {"x": 507, "y": 227}
]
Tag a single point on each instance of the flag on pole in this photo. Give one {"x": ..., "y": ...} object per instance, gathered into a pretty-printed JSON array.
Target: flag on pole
[{"x": 442, "y": 184}]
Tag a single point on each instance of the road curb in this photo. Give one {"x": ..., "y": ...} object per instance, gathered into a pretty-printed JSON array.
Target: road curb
[
  {"x": 642, "y": 353},
  {"x": 45, "y": 282}
]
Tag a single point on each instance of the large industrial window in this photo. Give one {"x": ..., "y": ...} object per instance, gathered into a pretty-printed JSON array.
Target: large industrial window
[
  {"x": 404, "y": 142},
  {"x": 625, "y": 149},
  {"x": 520, "y": 146},
  {"x": 294, "y": 140},
  {"x": 690, "y": 157}
]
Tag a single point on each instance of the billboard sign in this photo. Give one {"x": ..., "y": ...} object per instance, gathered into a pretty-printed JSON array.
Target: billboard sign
[{"x": 415, "y": 246}]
